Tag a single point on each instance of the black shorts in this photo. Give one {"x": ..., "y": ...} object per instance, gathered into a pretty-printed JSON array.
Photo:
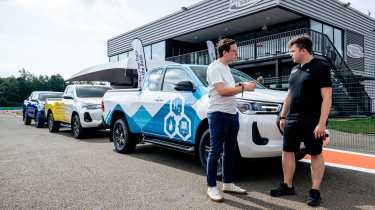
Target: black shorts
[{"x": 299, "y": 130}]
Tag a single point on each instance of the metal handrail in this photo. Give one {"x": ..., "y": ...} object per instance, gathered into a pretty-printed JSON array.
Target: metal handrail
[{"x": 248, "y": 49}]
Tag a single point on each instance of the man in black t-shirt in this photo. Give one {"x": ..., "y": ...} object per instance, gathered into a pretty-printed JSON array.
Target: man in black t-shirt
[{"x": 304, "y": 116}]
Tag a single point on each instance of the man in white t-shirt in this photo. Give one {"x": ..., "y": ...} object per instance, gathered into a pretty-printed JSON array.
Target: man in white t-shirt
[{"x": 223, "y": 118}]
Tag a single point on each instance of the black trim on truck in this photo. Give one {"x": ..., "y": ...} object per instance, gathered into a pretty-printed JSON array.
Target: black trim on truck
[
  {"x": 171, "y": 145},
  {"x": 257, "y": 138}
]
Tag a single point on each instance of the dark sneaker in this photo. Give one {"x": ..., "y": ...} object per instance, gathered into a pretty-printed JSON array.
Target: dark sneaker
[
  {"x": 314, "y": 198},
  {"x": 282, "y": 191}
]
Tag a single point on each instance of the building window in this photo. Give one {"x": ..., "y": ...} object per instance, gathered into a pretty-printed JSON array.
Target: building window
[
  {"x": 123, "y": 56},
  {"x": 158, "y": 51},
  {"x": 131, "y": 54},
  {"x": 338, "y": 40},
  {"x": 113, "y": 58},
  {"x": 316, "y": 26},
  {"x": 147, "y": 50},
  {"x": 334, "y": 34},
  {"x": 328, "y": 30}
]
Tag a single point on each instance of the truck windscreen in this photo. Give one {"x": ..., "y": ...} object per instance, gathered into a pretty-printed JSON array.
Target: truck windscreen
[
  {"x": 201, "y": 72},
  {"x": 91, "y": 92}
]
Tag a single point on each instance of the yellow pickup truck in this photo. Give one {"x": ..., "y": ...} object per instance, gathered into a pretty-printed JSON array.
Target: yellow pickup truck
[{"x": 80, "y": 108}]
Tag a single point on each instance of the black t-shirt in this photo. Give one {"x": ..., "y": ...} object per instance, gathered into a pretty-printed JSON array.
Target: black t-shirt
[{"x": 305, "y": 83}]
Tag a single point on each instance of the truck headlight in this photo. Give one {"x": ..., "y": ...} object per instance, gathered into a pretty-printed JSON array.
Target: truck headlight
[
  {"x": 91, "y": 106},
  {"x": 257, "y": 107}
]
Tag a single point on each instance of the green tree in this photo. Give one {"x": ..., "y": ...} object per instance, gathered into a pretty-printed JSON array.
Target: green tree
[
  {"x": 13, "y": 90},
  {"x": 56, "y": 83}
]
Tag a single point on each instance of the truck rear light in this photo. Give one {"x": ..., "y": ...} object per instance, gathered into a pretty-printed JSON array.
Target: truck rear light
[{"x": 102, "y": 105}]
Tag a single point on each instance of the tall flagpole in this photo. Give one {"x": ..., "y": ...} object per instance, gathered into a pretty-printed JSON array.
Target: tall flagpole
[
  {"x": 211, "y": 50},
  {"x": 140, "y": 59}
]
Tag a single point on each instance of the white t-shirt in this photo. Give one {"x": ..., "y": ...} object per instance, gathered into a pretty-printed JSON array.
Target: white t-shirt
[{"x": 218, "y": 72}]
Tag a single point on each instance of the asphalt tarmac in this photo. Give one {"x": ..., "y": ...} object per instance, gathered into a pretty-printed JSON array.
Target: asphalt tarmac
[{"x": 41, "y": 170}]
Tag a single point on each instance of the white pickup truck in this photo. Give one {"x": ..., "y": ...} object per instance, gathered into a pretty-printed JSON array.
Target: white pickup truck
[
  {"x": 170, "y": 111},
  {"x": 80, "y": 108}
]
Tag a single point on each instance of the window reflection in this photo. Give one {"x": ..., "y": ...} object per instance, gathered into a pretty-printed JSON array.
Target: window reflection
[
  {"x": 158, "y": 51},
  {"x": 174, "y": 76}
]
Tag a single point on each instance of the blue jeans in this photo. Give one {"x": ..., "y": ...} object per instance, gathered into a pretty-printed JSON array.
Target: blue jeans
[{"x": 223, "y": 133}]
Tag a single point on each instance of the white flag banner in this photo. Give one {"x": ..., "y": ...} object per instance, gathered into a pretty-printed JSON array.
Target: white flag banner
[
  {"x": 140, "y": 60},
  {"x": 211, "y": 50}
]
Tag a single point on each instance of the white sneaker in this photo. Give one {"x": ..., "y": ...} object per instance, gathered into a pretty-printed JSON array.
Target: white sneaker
[
  {"x": 232, "y": 188},
  {"x": 214, "y": 194}
]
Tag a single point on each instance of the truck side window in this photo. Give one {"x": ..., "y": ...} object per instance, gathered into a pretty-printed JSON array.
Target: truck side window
[
  {"x": 153, "y": 81},
  {"x": 174, "y": 76},
  {"x": 33, "y": 96},
  {"x": 69, "y": 91},
  {"x": 66, "y": 91}
]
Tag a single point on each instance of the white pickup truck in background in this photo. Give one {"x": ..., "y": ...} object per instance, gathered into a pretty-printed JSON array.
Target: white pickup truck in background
[{"x": 80, "y": 108}]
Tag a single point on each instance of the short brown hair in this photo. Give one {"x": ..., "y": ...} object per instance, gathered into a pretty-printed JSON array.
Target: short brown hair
[
  {"x": 224, "y": 45},
  {"x": 302, "y": 42}
]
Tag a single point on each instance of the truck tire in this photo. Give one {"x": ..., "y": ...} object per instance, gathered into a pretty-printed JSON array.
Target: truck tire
[
  {"x": 53, "y": 126},
  {"x": 39, "y": 123},
  {"x": 204, "y": 148},
  {"x": 121, "y": 137},
  {"x": 26, "y": 119},
  {"x": 78, "y": 131}
]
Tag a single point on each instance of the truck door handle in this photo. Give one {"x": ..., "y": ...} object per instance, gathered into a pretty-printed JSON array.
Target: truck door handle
[{"x": 159, "y": 100}]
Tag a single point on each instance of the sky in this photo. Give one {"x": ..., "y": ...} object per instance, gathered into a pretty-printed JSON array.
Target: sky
[{"x": 48, "y": 37}]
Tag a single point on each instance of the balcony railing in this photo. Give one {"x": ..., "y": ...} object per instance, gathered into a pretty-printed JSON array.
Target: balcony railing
[{"x": 262, "y": 47}]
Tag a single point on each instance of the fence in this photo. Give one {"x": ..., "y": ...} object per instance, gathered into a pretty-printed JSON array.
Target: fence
[{"x": 351, "y": 128}]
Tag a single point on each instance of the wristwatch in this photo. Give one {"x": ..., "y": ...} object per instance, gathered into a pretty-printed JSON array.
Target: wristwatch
[{"x": 282, "y": 118}]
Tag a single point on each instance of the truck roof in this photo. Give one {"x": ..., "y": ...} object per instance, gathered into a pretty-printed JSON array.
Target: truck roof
[
  {"x": 177, "y": 64},
  {"x": 38, "y": 92},
  {"x": 88, "y": 85}
]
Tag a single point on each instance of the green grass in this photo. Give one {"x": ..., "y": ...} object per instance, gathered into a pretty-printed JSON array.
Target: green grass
[
  {"x": 365, "y": 125},
  {"x": 10, "y": 108}
]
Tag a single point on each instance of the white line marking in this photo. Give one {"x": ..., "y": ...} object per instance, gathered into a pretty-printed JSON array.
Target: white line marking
[
  {"x": 347, "y": 152},
  {"x": 366, "y": 170}
]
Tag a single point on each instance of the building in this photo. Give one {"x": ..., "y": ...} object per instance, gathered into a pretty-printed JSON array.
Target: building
[{"x": 262, "y": 28}]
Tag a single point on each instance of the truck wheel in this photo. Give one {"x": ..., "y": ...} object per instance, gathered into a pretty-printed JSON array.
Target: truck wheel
[
  {"x": 204, "y": 148},
  {"x": 78, "y": 131},
  {"x": 53, "y": 126},
  {"x": 121, "y": 137},
  {"x": 300, "y": 154},
  {"x": 26, "y": 119},
  {"x": 39, "y": 123}
]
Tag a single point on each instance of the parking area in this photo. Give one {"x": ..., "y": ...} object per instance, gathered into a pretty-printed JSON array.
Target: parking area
[{"x": 40, "y": 170}]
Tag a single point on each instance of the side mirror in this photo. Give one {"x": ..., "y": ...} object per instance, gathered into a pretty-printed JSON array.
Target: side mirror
[
  {"x": 68, "y": 97},
  {"x": 185, "y": 86}
]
